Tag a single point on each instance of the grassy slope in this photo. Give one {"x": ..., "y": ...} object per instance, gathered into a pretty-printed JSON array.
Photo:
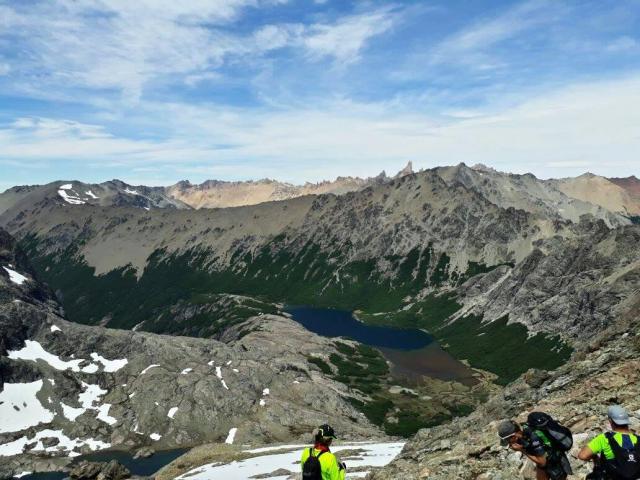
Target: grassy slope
[{"x": 364, "y": 370}]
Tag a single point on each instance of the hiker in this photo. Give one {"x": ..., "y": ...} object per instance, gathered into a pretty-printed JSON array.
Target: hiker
[
  {"x": 541, "y": 440},
  {"x": 318, "y": 463},
  {"x": 616, "y": 453}
]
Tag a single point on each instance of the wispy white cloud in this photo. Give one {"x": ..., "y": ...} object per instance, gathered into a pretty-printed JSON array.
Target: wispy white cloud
[
  {"x": 345, "y": 40},
  {"x": 126, "y": 45},
  {"x": 583, "y": 126},
  {"x": 473, "y": 44}
]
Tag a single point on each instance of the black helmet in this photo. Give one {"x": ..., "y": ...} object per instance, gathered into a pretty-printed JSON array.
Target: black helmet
[{"x": 326, "y": 431}]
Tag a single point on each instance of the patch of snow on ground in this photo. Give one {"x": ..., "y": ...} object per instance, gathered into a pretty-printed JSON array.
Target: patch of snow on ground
[
  {"x": 131, "y": 192},
  {"x": 90, "y": 396},
  {"x": 103, "y": 414},
  {"x": 15, "y": 277},
  {"x": 172, "y": 412},
  {"x": 148, "y": 368},
  {"x": 211, "y": 363},
  {"x": 91, "y": 194},
  {"x": 66, "y": 186},
  {"x": 33, "y": 351},
  {"x": 20, "y": 408},
  {"x": 51, "y": 381},
  {"x": 91, "y": 368},
  {"x": 262, "y": 402},
  {"x": 22, "y": 474},
  {"x": 219, "y": 375},
  {"x": 109, "y": 365},
  {"x": 374, "y": 455},
  {"x": 231, "y": 436},
  {"x": 73, "y": 200},
  {"x": 55, "y": 329},
  {"x": 155, "y": 436},
  {"x": 71, "y": 413},
  {"x": 265, "y": 391},
  {"x": 66, "y": 444},
  {"x": 186, "y": 370}
]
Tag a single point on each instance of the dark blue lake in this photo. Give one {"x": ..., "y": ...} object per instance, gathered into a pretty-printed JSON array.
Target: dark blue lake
[
  {"x": 341, "y": 323},
  {"x": 139, "y": 466},
  {"x": 412, "y": 352}
]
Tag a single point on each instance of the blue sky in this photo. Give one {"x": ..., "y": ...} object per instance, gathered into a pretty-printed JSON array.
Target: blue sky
[{"x": 154, "y": 91}]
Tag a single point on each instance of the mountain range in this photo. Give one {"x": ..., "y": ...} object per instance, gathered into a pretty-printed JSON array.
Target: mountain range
[{"x": 493, "y": 265}]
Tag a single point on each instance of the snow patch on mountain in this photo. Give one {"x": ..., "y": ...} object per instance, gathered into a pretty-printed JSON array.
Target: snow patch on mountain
[
  {"x": 72, "y": 199},
  {"x": 219, "y": 375},
  {"x": 231, "y": 436},
  {"x": 20, "y": 407},
  {"x": 148, "y": 368},
  {"x": 15, "y": 277},
  {"x": 109, "y": 365},
  {"x": 33, "y": 351},
  {"x": 65, "y": 444}
]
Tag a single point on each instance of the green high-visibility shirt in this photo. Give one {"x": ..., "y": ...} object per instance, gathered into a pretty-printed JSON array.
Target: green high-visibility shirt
[
  {"x": 600, "y": 444},
  {"x": 329, "y": 465}
]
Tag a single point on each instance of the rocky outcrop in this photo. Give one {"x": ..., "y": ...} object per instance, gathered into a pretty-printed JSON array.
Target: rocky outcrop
[
  {"x": 577, "y": 286},
  {"x": 99, "y": 471},
  {"x": 603, "y": 372}
]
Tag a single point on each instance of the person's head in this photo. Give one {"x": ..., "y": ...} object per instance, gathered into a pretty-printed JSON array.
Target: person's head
[
  {"x": 324, "y": 435},
  {"x": 509, "y": 432},
  {"x": 618, "y": 417}
]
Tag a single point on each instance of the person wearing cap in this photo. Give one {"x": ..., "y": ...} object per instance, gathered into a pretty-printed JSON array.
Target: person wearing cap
[
  {"x": 330, "y": 467},
  {"x": 600, "y": 446},
  {"x": 529, "y": 444}
]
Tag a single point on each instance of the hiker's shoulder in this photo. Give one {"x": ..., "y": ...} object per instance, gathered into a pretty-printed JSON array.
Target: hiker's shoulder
[{"x": 328, "y": 457}]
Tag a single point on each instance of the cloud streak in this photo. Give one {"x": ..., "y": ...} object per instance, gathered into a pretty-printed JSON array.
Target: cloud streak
[{"x": 561, "y": 132}]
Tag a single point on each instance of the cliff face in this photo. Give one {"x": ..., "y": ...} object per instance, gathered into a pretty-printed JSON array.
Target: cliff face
[
  {"x": 69, "y": 388},
  {"x": 603, "y": 372}
]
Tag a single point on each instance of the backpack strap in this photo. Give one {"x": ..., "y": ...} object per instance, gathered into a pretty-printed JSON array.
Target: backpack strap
[
  {"x": 615, "y": 446},
  {"x": 321, "y": 453}
]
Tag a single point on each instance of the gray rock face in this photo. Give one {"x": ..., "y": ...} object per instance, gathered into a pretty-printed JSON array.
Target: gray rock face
[
  {"x": 99, "y": 471},
  {"x": 94, "y": 387},
  {"x": 575, "y": 286}
]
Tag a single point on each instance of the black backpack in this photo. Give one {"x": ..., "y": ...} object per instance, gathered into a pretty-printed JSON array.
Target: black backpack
[
  {"x": 625, "y": 464},
  {"x": 311, "y": 470},
  {"x": 558, "y": 435}
]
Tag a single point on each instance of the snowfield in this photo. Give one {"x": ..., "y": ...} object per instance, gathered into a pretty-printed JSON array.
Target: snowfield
[
  {"x": 15, "y": 277},
  {"x": 66, "y": 444},
  {"x": 372, "y": 455},
  {"x": 33, "y": 351},
  {"x": 20, "y": 408}
]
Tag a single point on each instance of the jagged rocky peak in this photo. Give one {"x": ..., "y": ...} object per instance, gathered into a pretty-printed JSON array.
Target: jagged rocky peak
[{"x": 407, "y": 170}]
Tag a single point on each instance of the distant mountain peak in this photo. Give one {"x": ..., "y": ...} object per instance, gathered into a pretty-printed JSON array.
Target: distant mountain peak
[{"x": 407, "y": 170}]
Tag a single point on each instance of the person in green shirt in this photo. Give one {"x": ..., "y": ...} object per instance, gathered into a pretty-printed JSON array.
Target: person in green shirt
[
  {"x": 330, "y": 468},
  {"x": 600, "y": 448}
]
